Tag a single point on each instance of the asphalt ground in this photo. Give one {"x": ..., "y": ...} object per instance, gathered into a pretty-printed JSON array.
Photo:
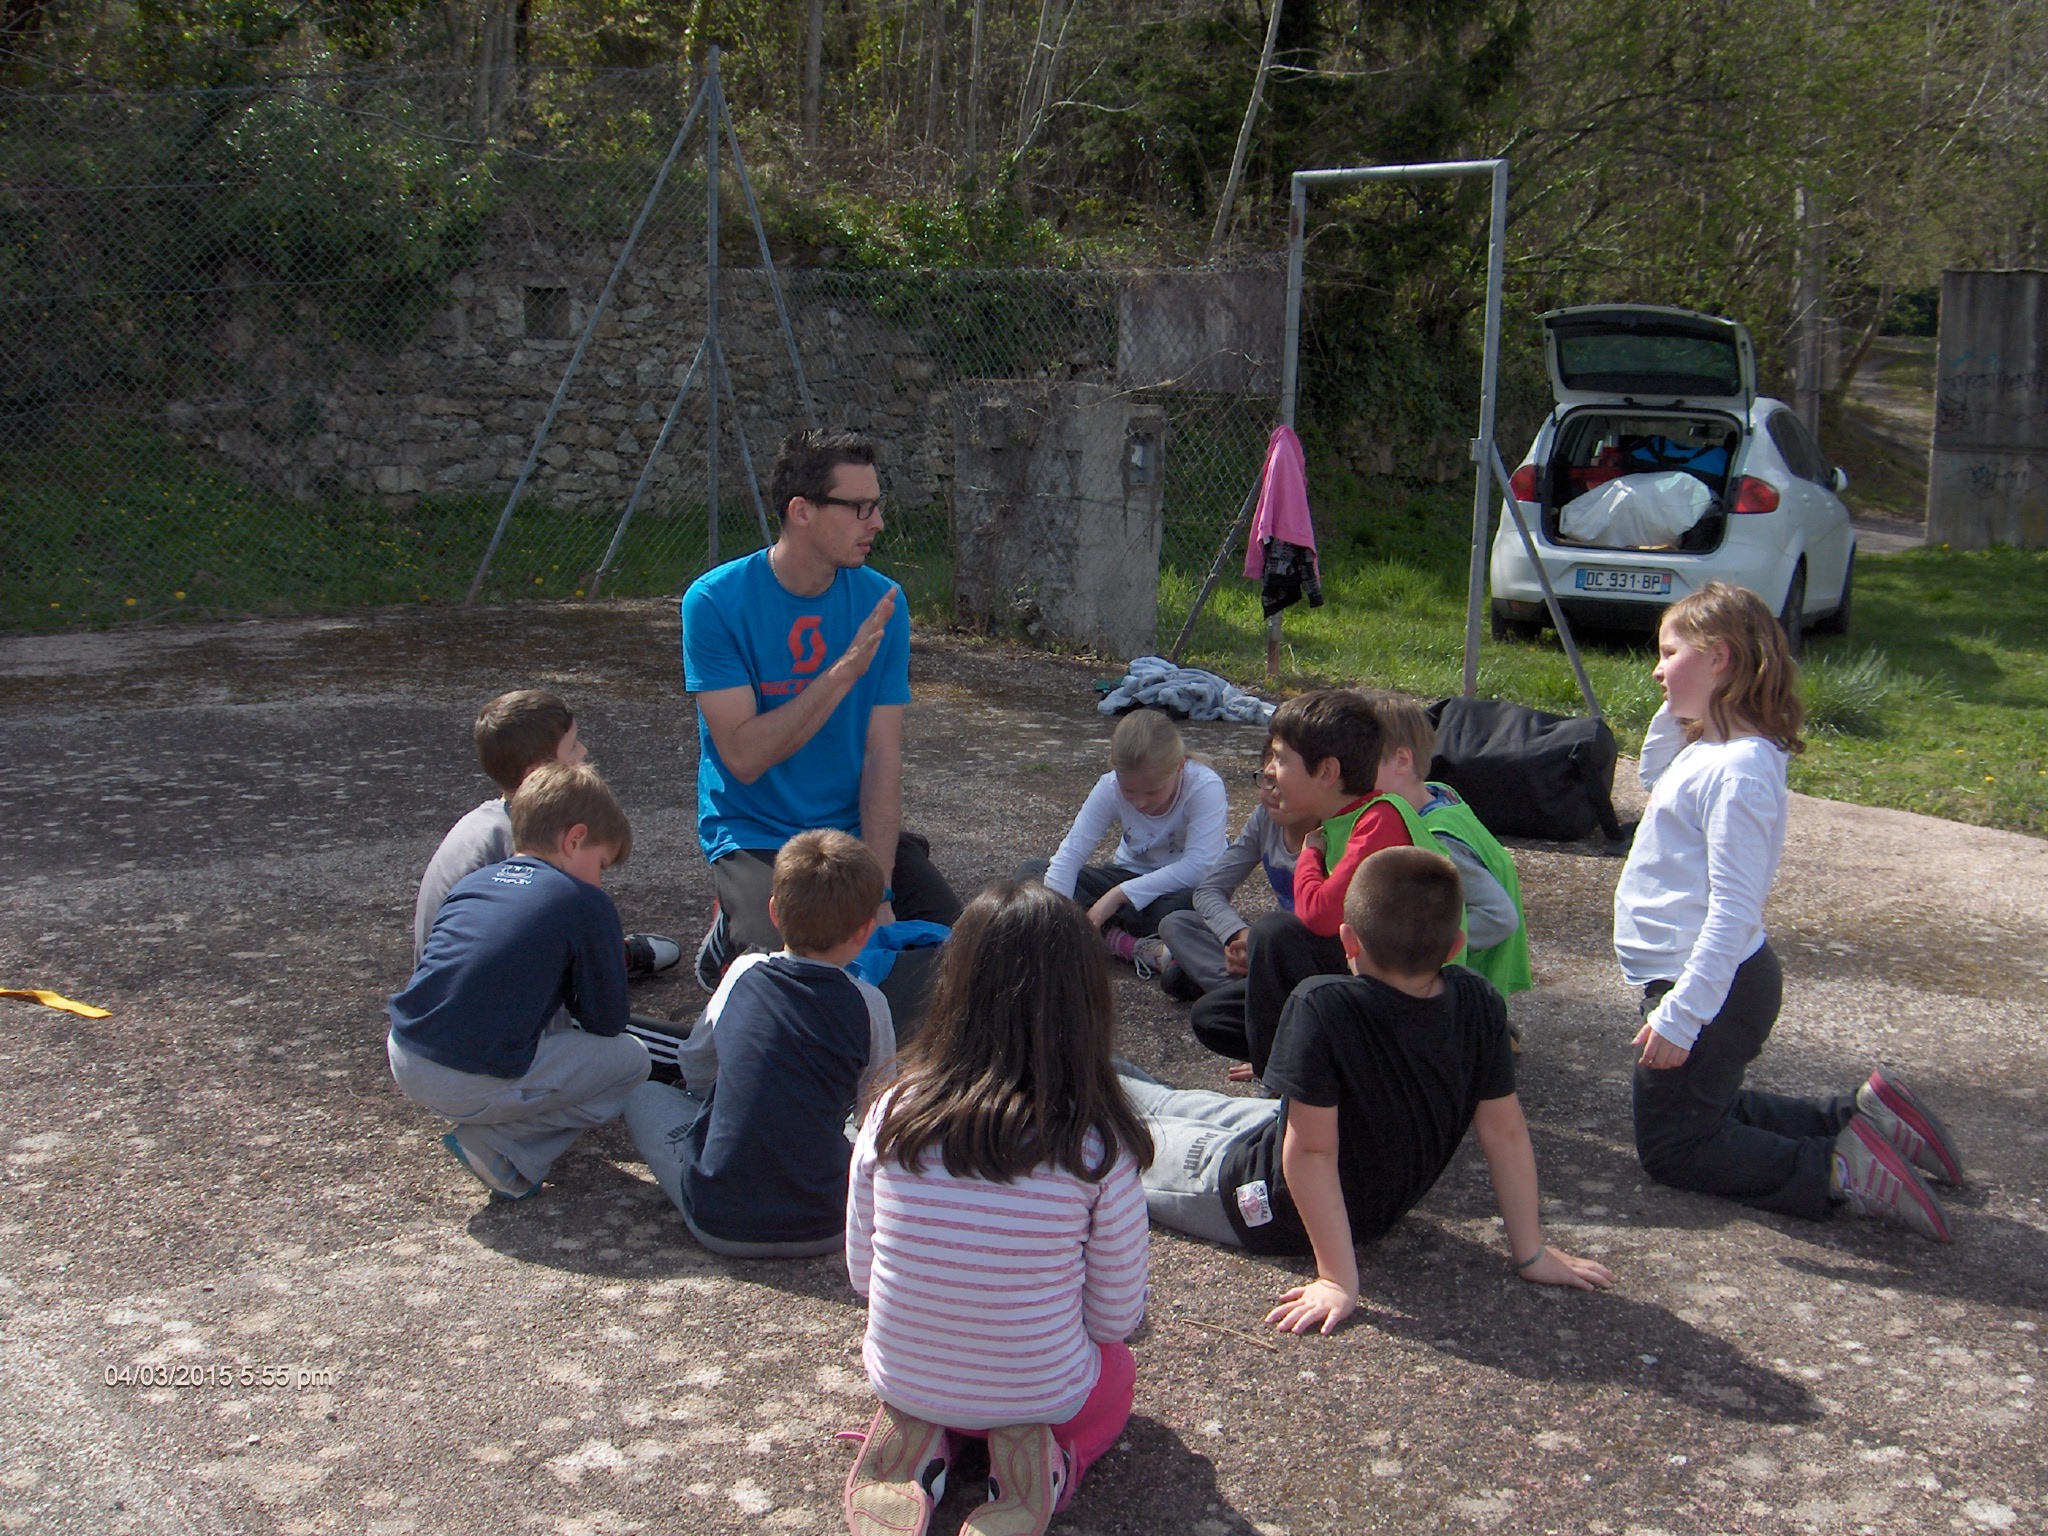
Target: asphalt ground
[{"x": 242, "y": 1289}]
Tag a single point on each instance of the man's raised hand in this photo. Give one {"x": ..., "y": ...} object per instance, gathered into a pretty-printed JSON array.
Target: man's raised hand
[{"x": 868, "y": 638}]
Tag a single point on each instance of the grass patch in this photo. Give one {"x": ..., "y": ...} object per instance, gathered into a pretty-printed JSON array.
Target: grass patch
[
  {"x": 160, "y": 535},
  {"x": 1934, "y": 702}
]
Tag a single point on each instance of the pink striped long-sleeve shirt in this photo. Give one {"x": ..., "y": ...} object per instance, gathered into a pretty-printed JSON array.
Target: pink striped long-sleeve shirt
[{"x": 986, "y": 1301}]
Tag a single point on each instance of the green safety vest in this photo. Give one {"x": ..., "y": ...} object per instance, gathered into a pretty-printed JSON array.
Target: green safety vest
[
  {"x": 1337, "y": 835},
  {"x": 1505, "y": 964}
]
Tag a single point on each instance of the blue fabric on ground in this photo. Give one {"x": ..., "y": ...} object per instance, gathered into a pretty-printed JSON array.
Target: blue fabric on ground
[
  {"x": 1189, "y": 691},
  {"x": 878, "y": 956}
]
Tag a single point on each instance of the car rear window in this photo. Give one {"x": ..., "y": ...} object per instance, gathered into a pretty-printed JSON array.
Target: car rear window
[{"x": 1648, "y": 364}]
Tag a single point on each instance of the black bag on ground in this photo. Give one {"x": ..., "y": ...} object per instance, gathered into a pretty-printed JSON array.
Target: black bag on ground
[{"x": 1525, "y": 773}]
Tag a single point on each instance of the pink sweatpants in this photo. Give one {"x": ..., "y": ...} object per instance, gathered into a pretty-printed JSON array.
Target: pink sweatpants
[{"x": 1102, "y": 1418}]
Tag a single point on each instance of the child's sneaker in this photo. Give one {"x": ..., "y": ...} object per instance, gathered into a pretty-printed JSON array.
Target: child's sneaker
[
  {"x": 649, "y": 954},
  {"x": 899, "y": 1476},
  {"x": 1876, "y": 1180},
  {"x": 493, "y": 1170},
  {"x": 1150, "y": 956},
  {"x": 1027, "y": 1476},
  {"x": 714, "y": 950},
  {"x": 1910, "y": 1127}
]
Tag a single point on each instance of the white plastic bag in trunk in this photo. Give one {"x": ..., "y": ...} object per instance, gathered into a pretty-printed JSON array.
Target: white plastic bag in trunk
[{"x": 1636, "y": 511}]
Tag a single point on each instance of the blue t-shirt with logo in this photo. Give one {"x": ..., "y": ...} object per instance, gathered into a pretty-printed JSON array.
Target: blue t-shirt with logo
[{"x": 743, "y": 629}]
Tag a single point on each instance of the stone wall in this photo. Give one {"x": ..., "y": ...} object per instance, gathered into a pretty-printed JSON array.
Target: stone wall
[{"x": 452, "y": 411}]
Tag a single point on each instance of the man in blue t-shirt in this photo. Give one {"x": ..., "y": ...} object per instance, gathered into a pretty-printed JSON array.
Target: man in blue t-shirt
[{"x": 799, "y": 656}]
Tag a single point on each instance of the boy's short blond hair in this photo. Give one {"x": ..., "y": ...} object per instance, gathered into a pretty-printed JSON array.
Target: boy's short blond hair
[
  {"x": 1406, "y": 906},
  {"x": 557, "y": 796},
  {"x": 826, "y": 885},
  {"x": 1403, "y": 723},
  {"x": 518, "y": 731}
]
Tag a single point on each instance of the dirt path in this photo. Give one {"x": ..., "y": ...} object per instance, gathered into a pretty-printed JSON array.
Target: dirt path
[{"x": 216, "y": 833}]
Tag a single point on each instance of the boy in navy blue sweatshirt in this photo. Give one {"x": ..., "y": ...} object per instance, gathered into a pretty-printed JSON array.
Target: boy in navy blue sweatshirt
[
  {"x": 757, "y": 1163},
  {"x": 475, "y": 1035}
]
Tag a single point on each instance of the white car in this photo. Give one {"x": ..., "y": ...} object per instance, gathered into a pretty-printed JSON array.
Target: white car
[{"x": 1660, "y": 470}]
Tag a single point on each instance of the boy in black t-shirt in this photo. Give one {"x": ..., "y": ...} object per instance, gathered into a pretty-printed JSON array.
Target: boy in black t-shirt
[{"x": 1379, "y": 1073}]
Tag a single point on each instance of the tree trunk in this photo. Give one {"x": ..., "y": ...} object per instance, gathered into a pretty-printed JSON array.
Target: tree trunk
[
  {"x": 937, "y": 38},
  {"x": 974, "y": 87},
  {"x": 1855, "y": 362},
  {"x": 1244, "y": 134},
  {"x": 1808, "y": 308},
  {"x": 814, "y": 72}
]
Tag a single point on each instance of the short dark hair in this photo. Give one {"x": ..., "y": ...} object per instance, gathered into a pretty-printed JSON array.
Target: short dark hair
[
  {"x": 516, "y": 732},
  {"x": 1406, "y": 905},
  {"x": 558, "y": 796},
  {"x": 1333, "y": 722},
  {"x": 1014, "y": 1063},
  {"x": 805, "y": 464},
  {"x": 827, "y": 884}
]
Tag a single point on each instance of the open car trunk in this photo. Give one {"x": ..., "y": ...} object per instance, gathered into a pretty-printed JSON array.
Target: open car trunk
[{"x": 1631, "y": 479}]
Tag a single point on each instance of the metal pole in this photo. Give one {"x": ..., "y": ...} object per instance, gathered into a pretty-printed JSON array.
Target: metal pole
[
  {"x": 1482, "y": 446},
  {"x": 1290, "y": 346},
  {"x": 739, "y": 432},
  {"x": 1244, "y": 515},
  {"x": 1564, "y": 629},
  {"x": 711, "y": 305},
  {"x": 1290, "y": 357},
  {"x": 647, "y": 471},
  {"x": 540, "y": 438},
  {"x": 796, "y": 362}
]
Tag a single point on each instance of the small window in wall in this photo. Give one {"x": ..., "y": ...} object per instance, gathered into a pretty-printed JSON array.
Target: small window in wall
[{"x": 547, "y": 313}]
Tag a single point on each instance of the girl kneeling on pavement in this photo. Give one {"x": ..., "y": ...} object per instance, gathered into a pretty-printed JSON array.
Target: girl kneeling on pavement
[{"x": 995, "y": 1222}]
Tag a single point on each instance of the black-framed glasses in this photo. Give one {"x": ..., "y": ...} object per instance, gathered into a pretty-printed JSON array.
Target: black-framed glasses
[
  {"x": 863, "y": 511},
  {"x": 1262, "y": 778}
]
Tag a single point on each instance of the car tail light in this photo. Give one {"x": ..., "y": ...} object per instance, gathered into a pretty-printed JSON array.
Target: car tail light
[
  {"x": 1523, "y": 483},
  {"x": 1754, "y": 495}
]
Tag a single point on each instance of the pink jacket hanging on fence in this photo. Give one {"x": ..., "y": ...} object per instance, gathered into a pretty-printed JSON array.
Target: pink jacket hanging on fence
[
  {"x": 1282, "y": 547},
  {"x": 1283, "y": 502}
]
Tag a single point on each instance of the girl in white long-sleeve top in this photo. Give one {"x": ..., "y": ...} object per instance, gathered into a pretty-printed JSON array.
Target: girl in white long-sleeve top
[
  {"x": 1689, "y": 931},
  {"x": 996, "y": 1224},
  {"x": 1171, "y": 809}
]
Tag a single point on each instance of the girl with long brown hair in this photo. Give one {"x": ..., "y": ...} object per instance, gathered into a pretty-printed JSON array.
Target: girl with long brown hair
[{"x": 996, "y": 1224}]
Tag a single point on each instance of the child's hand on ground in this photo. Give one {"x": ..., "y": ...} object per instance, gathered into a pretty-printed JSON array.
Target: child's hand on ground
[
  {"x": 1559, "y": 1268},
  {"x": 1236, "y": 960},
  {"x": 1240, "y": 1072},
  {"x": 1321, "y": 1302},
  {"x": 1659, "y": 1054},
  {"x": 1108, "y": 905}
]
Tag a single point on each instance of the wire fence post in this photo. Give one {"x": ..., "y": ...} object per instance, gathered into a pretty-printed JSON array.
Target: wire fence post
[
  {"x": 540, "y": 438},
  {"x": 711, "y": 305}
]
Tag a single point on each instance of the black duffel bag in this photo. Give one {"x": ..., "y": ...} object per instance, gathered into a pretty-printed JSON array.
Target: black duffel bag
[{"x": 1528, "y": 774}]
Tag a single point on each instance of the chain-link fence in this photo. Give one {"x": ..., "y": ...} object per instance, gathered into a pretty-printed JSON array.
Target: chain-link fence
[{"x": 286, "y": 347}]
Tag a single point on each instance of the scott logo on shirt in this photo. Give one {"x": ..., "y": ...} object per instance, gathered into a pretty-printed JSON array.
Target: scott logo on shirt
[{"x": 807, "y": 643}]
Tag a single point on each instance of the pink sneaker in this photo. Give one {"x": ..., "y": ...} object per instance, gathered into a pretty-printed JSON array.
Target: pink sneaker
[
  {"x": 899, "y": 1477},
  {"x": 1876, "y": 1180},
  {"x": 1910, "y": 1127},
  {"x": 1027, "y": 1474}
]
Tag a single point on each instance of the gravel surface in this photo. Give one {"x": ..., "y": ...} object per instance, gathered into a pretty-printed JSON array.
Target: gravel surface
[{"x": 216, "y": 832}]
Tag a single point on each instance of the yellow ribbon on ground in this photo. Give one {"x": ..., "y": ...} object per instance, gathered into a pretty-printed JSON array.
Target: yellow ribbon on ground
[{"x": 57, "y": 1000}]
